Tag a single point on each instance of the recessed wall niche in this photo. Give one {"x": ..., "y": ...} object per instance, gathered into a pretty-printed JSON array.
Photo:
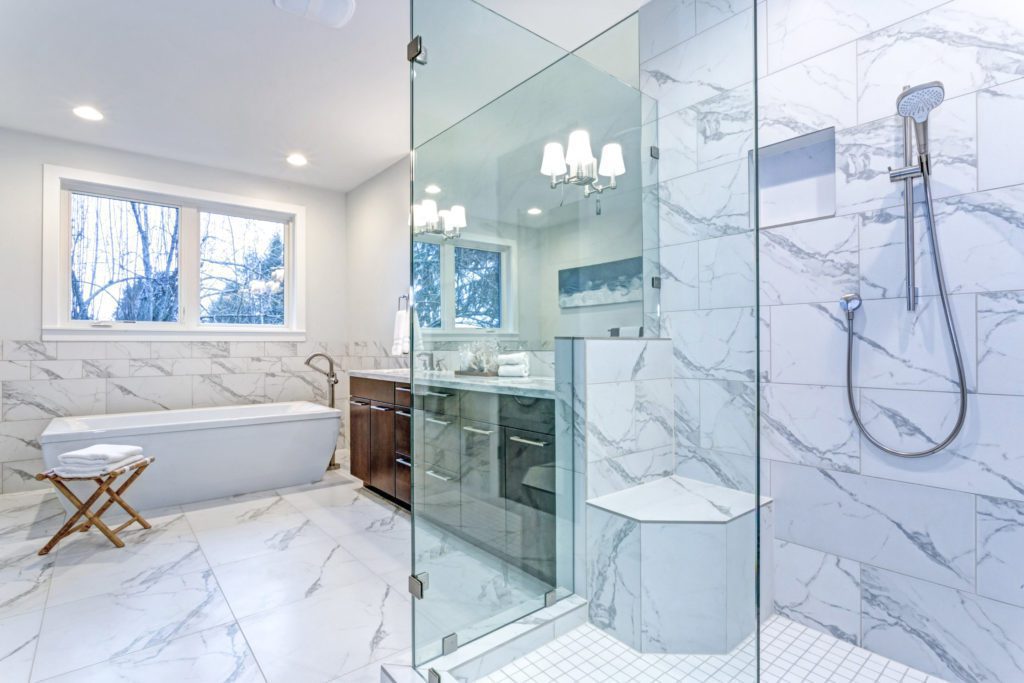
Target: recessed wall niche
[{"x": 798, "y": 179}]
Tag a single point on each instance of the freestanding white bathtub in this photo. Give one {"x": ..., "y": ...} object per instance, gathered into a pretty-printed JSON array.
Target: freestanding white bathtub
[{"x": 204, "y": 453}]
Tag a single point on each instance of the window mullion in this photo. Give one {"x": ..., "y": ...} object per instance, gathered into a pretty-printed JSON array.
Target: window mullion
[
  {"x": 188, "y": 280},
  {"x": 448, "y": 286}
]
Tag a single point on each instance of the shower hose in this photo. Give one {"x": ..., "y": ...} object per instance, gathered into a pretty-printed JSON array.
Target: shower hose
[{"x": 950, "y": 329}]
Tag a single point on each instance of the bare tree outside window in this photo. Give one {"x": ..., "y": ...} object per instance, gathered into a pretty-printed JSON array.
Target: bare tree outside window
[
  {"x": 241, "y": 270},
  {"x": 477, "y": 288},
  {"x": 124, "y": 260},
  {"x": 426, "y": 283}
]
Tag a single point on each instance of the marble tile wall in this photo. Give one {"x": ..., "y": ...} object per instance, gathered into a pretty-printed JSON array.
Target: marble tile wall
[
  {"x": 920, "y": 559},
  {"x": 916, "y": 559},
  {"x": 43, "y": 380}
]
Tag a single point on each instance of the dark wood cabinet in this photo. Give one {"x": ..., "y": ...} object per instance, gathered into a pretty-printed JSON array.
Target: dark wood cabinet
[
  {"x": 380, "y": 448},
  {"x": 359, "y": 426}
]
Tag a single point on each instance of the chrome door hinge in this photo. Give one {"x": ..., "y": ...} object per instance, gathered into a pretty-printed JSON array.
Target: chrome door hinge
[
  {"x": 449, "y": 644},
  {"x": 415, "y": 51},
  {"x": 418, "y": 584},
  {"x": 655, "y": 152},
  {"x": 656, "y": 282},
  {"x": 550, "y": 598}
]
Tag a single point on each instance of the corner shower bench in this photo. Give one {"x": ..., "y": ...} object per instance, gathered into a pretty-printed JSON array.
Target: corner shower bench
[{"x": 671, "y": 565}]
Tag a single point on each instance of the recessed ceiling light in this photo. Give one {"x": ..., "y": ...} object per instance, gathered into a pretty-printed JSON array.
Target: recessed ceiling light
[
  {"x": 534, "y": 211},
  {"x": 88, "y": 113},
  {"x": 296, "y": 159},
  {"x": 432, "y": 189}
]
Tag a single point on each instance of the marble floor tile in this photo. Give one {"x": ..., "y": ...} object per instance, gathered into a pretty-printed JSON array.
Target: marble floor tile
[
  {"x": 31, "y": 515},
  {"x": 324, "y": 638},
  {"x": 18, "y": 638},
  {"x": 24, "y": 577},
  {"x": 83, "y": 632},
  {"x": 217, "y": 655},
  {"x": 268, "y": 581}
]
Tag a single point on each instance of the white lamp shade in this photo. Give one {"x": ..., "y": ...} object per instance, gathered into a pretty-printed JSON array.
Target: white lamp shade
[
  {"x": 418, "y": 219},
  {"x": 446, "y": 217},
  {"x": 554, "y": 159},
  {"x": 611, "y": 160},
  {"x": 579, "y": 152},
  {"x": 429, "y": 208},
  {"x": 458, "y": 216}
]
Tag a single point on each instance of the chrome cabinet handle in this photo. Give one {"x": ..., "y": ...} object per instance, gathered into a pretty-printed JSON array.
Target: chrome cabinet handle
[
  {"x": 435, "y": 475},
  {"x": 528, "y": 442},
  {"x": 437, "y": 394},
  {"x": 404, "y": 390},
  {"x": 485, "y": 432},
  {"x": 357, "y": 403},
  {"x": 402, "y": 413},
  {"x": 437, "y": 422},
  {"x": 381, "y": 409},
  {"x": 403, "y": 461}
]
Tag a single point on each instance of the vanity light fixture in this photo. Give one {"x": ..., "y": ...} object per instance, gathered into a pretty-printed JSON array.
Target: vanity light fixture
[
  {"x": 428, "y": 219},
  {"x": 576, "y": 165},
  {"x": 296, "y": 159},
  {"x": 432, "y": 189},
  {"x": 88, "y": 113}
]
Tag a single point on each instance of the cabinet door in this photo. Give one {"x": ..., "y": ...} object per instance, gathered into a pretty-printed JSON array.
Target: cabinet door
[
  {"x": 483, "y": 505},
  {"x": 382, "y": 448},
  {"x": 359, "y": 447},
  {"x": 436, "y": 461},
  {"x": 530, "y": 501}
]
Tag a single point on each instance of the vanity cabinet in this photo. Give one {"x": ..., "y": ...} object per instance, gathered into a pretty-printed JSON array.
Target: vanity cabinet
[{"x": 380, "y": 453}]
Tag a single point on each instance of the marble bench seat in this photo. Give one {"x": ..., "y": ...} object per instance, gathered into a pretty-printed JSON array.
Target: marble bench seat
[{"x": 671, "y": 565}]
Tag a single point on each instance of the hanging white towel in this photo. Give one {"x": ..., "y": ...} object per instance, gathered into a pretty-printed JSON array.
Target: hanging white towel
[
  {"x": 99, "y": 454},
  {"x": 513, "y": 371},
  {"x": 400, "y": 344}
]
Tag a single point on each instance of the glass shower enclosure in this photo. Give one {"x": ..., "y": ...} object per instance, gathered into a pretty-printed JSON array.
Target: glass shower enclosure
[{"x": 522, "y": 259}]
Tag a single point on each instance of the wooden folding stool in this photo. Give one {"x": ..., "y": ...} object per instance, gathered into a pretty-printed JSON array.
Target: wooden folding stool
[{"x": 104, "y": 486}]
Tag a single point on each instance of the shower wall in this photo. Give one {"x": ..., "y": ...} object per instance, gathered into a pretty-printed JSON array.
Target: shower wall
[{"x": 920, "y": 560}]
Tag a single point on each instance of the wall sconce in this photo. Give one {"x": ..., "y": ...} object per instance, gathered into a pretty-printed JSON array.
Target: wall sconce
[
  {"x": 448, "y": 223},
  {"x": 577, "y": 165}
]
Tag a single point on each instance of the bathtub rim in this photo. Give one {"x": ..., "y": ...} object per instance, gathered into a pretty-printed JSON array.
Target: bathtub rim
[{"x": 69, "y": 429}]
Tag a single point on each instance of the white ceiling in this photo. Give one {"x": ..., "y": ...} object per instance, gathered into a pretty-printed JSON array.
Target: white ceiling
[
  {"x": 235, "y": 84},
  {"x": 566, "y": 23}
]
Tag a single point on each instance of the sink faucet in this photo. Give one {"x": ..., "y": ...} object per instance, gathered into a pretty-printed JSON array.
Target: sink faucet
[{"x": 332, "y": 381}]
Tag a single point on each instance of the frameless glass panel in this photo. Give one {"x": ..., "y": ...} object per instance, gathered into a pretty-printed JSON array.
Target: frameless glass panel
[
  {"x": 241, "y": 270},
  {"x": 124, "y": 260},
  {"x": 499, "y": 297}
]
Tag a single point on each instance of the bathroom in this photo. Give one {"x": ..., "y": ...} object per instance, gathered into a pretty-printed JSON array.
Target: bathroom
[{"x": 513, "y": 340}]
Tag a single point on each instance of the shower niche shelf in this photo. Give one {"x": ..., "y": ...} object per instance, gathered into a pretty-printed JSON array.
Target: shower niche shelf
[{"x": 798, "y": 179}]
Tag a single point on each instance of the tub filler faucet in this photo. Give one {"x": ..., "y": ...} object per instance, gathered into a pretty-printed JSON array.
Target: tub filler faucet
[{"x": 332, "y": 382}]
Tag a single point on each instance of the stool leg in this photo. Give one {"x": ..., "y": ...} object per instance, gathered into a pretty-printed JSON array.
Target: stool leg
[
  {"x": 115, "y": 496},
  {"x": 81, "y": 510}
]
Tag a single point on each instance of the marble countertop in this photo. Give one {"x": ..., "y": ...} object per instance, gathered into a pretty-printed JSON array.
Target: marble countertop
[{"x": 535, "y": 387}]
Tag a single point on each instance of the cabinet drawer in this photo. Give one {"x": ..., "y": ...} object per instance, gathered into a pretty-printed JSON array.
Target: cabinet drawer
[
  {"x": 519, "y": 412},
  {"x": 403, "y": 420},
  {"x": 403, "y": 478},
  {"x": 438, "y": 499},
  {"x": 403, "y": 395},
  {"x": 373, "y": 389},
  {"x": 437, "y": 440},
  {"x": 531, "y": 493},
  {"x": 436, "y": 400},
  {"x": 382, "y": 447}
]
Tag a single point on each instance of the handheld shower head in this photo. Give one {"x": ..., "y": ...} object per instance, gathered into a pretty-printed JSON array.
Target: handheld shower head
[{"x": 916, "y": 103}]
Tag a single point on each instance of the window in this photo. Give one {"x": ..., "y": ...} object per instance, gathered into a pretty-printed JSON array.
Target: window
[
  {"x": 462, "y": 287},
  {"x": 126, "y": 258}
]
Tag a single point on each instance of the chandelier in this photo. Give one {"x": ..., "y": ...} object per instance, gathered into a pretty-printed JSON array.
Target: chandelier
[
  {"x": 577, "y": 165},
  {"x": 427, "y": 219}
]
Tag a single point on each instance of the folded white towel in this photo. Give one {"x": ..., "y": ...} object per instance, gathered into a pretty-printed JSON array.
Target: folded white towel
[
  {"x": 513, "y": 371},
  {"x": 96, "y": 470},
  {"x": 100, "y": 454},
  {"x": 514, "y": 359}
]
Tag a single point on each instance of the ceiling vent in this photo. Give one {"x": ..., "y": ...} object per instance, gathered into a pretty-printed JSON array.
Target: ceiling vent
[{"x": 333, "y": 13}]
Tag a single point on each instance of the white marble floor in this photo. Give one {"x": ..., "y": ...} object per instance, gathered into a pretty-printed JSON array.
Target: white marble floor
[
  {"x": 790, "y": 653},
  {"x": 304, "y": 584}
]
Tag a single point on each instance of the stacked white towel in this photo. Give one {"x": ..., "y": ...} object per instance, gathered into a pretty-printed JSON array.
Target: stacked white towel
[
  {"x": 95, "y": 461},
  {"x": 514, "y": 364}
]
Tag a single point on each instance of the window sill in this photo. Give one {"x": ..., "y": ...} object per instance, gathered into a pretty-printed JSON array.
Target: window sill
[
  {"x": 466, "y": 335},
  {"x": 131, "y": 333}
]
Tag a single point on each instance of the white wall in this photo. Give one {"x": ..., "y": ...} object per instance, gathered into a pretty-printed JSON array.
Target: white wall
[{"x": 377, "y": 267}]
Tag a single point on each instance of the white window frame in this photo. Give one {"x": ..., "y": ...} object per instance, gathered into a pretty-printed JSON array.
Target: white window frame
[
  {"x": 509, "y": 310},
  {"x": 58, "y": 184}
]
